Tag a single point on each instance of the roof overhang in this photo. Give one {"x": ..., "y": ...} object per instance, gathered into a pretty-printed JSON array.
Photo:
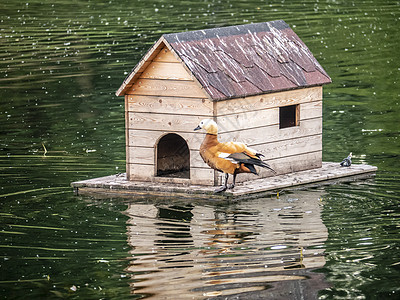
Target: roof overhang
[
  {"x": 239, "y": 61},
  {"x": 142, "y": 65}
]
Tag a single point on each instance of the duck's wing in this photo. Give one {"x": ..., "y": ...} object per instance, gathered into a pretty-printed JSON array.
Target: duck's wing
[
  {"x": 248, "y": 160},
  {"x": 237, "y": 147},
  {"x": 231, "y": 147}
]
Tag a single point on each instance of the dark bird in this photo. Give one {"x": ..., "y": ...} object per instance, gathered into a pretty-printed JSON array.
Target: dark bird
[
  {"x": 346, "y": 162},
  {"x": 230, "y": 158}
]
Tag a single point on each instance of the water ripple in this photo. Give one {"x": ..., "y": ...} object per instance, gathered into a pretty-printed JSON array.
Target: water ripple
[{"x": 209, "y": 251}]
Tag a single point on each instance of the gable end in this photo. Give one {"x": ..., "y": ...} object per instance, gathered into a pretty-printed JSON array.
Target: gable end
[{"x": 239, "y": 61}]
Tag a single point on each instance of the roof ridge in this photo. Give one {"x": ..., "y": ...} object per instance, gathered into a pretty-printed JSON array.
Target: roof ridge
[
  {"x": 242, "y": 60},
  {"x": 187, "y": 36}
]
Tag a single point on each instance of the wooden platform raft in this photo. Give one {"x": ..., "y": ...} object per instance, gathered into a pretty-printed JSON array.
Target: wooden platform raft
[{"x": 119, "y": 185}]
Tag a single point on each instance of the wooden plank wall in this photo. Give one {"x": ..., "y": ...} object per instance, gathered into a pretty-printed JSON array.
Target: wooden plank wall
[
  {"x": 255, "y": 121},
  {"x": 165, "y": 99}
]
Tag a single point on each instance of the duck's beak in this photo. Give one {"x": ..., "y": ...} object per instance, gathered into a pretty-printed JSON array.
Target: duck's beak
[{"x": 197, "y": 128}]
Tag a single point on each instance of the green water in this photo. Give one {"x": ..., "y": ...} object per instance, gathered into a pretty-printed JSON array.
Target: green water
[{"x": 60, "y": 64}]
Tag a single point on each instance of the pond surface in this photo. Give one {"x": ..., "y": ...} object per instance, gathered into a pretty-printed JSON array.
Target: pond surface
[{"x": 60, "y": 64}]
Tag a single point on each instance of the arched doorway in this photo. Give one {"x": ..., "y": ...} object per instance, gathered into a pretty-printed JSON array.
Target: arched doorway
[{"x": 173, "y": 157}]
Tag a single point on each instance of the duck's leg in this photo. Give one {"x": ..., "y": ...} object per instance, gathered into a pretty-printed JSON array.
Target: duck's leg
[
  {"x": 224, "y": 186},
  {"x": 231, "y": 186}
]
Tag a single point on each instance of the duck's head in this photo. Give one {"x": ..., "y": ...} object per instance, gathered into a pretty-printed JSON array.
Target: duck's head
[{"x": 208, "y": 125}]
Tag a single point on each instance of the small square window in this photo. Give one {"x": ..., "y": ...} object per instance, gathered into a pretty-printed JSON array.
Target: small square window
[{"x": 289, "y": 116}]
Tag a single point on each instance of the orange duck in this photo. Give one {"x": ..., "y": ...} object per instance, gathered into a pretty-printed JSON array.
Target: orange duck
[{"x": 230, "y": 158}]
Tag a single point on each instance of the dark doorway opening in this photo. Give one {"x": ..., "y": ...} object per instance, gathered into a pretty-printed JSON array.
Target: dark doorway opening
[
  {"x": 173, "y": 157},
  {"x": 289, "y": 116}
]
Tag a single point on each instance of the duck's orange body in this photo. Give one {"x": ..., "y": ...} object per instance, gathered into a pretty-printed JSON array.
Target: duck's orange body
[
  {"x": 230, "y": 158},
  {"x": 211, "y": 149}
]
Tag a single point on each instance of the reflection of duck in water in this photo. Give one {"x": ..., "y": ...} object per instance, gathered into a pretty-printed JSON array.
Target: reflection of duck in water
[
  {"x": 254, "y": 249},
  {"x": 230, "y": 158},
  {"x": 224, "y": 238},
  {"x": 347, "y": 161}
]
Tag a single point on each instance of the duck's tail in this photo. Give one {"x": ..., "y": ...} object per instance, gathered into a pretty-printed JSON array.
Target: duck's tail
[
  {"x": 249, "y": 162},
  {"x": 260, "y": 163}
]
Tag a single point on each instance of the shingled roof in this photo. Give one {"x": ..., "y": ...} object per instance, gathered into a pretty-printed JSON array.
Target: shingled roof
[{"x": 244, "y": 60}]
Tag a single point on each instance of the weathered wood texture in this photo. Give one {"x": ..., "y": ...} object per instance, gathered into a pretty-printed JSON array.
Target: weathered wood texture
[
  {"x": 170, "y": 105},
  {"x": 172, "y": 88},
  {"x": 149, "y": 138},
  {"x": 235, "y": 61},
  {"x": 283, "y": 165},
  {"x": 144, "y": 62},
  {"x": 165, "y": 99},
  {"x": 166, "y": 55},
  {"x": 118, "y": 184},
  {"x": 127, "y": 158},
  {"x": 256, "y": 123},
  {"x": 166, "y": 70},
  {"x": 163, "y": 122},
  {"x": 265, "y": 117},
  {"x": 200, "y": 176},
  {"x": 286, "y": 150},
  {"x": 142, "y": 164},
  {"x": 260, "y": 102},
  {"x": 291, "y": 147},
  {"x": 268, "y": 134},
  {"x": 141, "y": 155},
  {"x": 143, "y": 167}
]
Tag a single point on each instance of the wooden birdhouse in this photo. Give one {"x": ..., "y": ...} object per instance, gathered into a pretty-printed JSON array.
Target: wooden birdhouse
[{"x": 259, "y": 82}]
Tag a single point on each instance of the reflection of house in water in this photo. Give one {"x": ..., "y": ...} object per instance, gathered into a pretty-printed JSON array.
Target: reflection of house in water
[{"x": 266, "y": 247}]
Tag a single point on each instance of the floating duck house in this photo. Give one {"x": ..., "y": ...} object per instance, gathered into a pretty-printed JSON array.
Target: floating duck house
[{"x": 259, "y": 82}]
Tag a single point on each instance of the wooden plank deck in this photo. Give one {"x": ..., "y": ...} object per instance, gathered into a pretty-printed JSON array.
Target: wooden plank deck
[{"x": 118, "y": 185}]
